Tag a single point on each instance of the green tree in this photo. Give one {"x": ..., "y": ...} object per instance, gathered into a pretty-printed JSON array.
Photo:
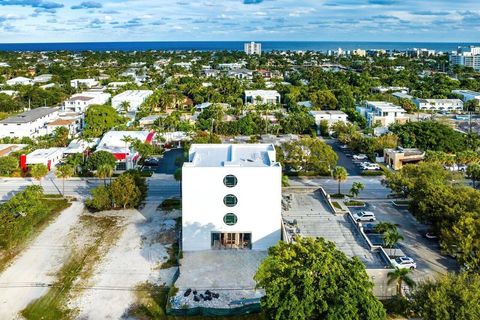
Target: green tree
[
  {"x": 340, "y": 174},
  {"x": 324, "y": 128},
  {"x": 401, "y": 276},
  {"x": 356, "y": 188},
  {"x": 473, "y": 172},
  {"x": 323, "y": 100},
  {"x": 383, "y": 227},
  {"x": 100, "y": 158},
  {"x": 8, "y": 165},
  {"x": 100, "y": 198},
  {"x": 125, "y": 106},
  {"x": 124, "y": 191},
  {"x": 391, "y": 237},
  {"x": 100, "y": 119},
  {"x": 60, "y": 136},
  {"x": 311, "y": 279},
  {"x": 451, "y": 297},
  {"x": 64, "y": 172},
  {"x": 104, "y": 171},
  {"x": 38, "y": 171}
]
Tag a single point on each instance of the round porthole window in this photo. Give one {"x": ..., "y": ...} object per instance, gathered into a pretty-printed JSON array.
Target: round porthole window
[
  {"x": 230, "y": 219},
  {"x": 230, "y": 181},
  {"x": 230, "y": 200}
]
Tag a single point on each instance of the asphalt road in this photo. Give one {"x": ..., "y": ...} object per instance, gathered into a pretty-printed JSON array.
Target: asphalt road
[
  {"x": 159, "y": 187},
  {"x": 343, "y": 160}
]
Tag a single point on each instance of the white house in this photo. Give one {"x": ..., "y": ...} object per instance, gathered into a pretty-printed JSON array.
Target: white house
[
  {"x": 332, "y": 116},
  {"x": 30, "y": 123},
  {"x": 43, "y": 78},
  {"x": 382, "y": 114},
  {"x": 49, "y": 157},
  {"x": 134, "y": 98},
  {"x": 439, "y": 104},
  {"x": 79, "y": 102},
  {"x": 116, "y": 142},
  {"x": 22, "y": 81},
  {"x": 468, "y": 94},
  {"x": 262, "y": 97},
  {"x": 243, "y": 74},
  {"x": 231, "y": 197},
  {"x": 89, "y": 83},
  {"x": 10, "y": 93}
]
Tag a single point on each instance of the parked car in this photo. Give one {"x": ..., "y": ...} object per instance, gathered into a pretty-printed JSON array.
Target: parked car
[
  {"x": 431, "y": 235},
  {"x": 404, "y": 263},
  {"x": 360, "y": 157},
  {"x": 344, "y": 146},
  {"x": 369, "y": 228},
  {"x": 370, "y": 166},
  {"x": 364, "y": 216}
]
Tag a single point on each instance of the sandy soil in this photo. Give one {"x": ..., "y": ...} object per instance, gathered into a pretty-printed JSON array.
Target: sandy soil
[
  {"x": 28, "y": 277},
  {"x": 134, "y": 259}
]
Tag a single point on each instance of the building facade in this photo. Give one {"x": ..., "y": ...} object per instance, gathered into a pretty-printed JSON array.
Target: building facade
[
  {"x": 467, "y": 57},
  {"x": 262, "y": 97},
  {"x": 134, "y": 98},
  {"x": 331, "y": 116},
  {"x": 30, "y": 123},
  {"x": 439, "y": 104},
  {"x": 382, "y": 114},
  {"x": 81, "y": 101},
  {"x": 251, "y": 48},
  {"x": 231, "y": 197},
  {"x": 468, "y": 95}
]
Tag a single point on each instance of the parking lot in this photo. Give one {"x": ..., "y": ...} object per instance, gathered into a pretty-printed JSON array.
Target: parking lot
[
  {"x": 345, "y": 158},
  {"x": 425, "y": 252}
]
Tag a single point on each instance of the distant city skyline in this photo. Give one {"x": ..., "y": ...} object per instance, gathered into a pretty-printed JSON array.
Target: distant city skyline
[{"x": 242, "y": 20}]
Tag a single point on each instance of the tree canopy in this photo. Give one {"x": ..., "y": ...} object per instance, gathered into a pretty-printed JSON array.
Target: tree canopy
[{"x": 311, "y": 279}]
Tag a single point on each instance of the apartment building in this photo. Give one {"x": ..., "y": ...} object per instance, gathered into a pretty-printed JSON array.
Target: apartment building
[
  {"x": 31, "y": 123},
  {"x": 262, "y": 97},
  {"x": 134, "y": 98},
  {"x": 252, "y": 48}
]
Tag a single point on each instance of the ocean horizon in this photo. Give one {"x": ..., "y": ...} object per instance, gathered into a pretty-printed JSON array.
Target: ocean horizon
[{"x": 229, "y": 46}]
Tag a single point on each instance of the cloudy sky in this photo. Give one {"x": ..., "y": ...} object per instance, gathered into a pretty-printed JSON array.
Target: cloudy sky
[{"x": 169, "y": 20}]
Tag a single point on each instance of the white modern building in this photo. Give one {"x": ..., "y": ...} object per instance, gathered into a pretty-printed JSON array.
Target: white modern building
[
  {"x": 30, "y": 123},
  {"x": 118, "y": 143},
  {"x": 81, "y": 101},
  {"x": 382, "y": 114},
  {"x": 262, "y": 97},
  {"x": 49, "y": 157},
  {"x": 231, "y": 197},
  {"x": 134, "y": 98},
  {"x": 439, "y": 104},
  {"x": 467, "y": 57},
  {"x": 468, "y": 94},
  {"x": 21, "y": 81},
  {"x": 89, "y": 83},
  {"x": 253, "y": 48},
  {"x": 332, "y": 116}
]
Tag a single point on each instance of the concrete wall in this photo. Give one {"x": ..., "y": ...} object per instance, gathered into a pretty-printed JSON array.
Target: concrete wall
[{"x": 258, "y": 209}]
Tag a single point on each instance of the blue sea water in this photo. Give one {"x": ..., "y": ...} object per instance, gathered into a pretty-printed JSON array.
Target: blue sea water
[{"x": 227, "y": 45}]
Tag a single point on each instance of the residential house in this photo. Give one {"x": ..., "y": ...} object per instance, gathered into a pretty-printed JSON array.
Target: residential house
[
  {"x": 381, "y": 114},
  {"x": 262, "y": 97},
  {"x": 20, "y": 81},
  {"x": 468, "y": 95},
  {"x": 88, "y": 83},
  {"x": 81, "y": 101},
  {"x": 243, "y": 74},
  {"x": 331, "y": 116},
  {"x": 134, "y": 98},
  {"x": 439, "y": 104}
]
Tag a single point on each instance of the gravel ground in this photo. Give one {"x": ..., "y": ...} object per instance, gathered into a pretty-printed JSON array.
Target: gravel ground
[{"x": 133, "y": 260}]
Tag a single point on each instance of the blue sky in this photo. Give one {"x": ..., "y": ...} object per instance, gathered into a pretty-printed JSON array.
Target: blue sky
[{"x": 170, "y": 20}]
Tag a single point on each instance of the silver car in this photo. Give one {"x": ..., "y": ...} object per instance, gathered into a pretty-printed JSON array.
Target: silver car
[{"x": 364, "y": 216}]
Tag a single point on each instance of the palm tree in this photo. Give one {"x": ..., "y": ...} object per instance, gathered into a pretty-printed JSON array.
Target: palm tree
[
  {"x": 356, "y": 188},
  {"x": 391, "y": 237},
  {"x": 340, "y": 174},
  {"x": 65, "y": 171},
  {"x": 127, "y": 140},
  {"x": 401, "y": 276},
  {"x": 124, "y": 106},
  {"x": 38, "y": 171},
  {"x": 104, "y": 171}
]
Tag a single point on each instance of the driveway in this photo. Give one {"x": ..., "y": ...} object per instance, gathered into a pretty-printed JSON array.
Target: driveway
[
  {"x": 352, "y": 168},
  {"x": 425, "y": 252}
]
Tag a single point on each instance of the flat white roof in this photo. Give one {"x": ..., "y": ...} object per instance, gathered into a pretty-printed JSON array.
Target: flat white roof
[
  {"x": 44, "y": 153},
  {"x": 470, "y": 92},
  {"x": 129, "y": 94},
  {"x": 231, "y": 155},
  {"x": 262, "y": 93}
]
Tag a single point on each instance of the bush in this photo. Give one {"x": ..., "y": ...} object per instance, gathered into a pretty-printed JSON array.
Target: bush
[
  {"x": 375, "y": 173},
  {"x": 8, "y": 165},
  {"x": 100, "y": 198}
]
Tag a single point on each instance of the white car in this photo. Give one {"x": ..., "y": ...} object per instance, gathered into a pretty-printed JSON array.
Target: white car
[
  {"x": 364, "y": 216},
  {"x": 360, "y": 157},
  {"x": 404, "y": 263},
  {"x": 370, "y": 166}
]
